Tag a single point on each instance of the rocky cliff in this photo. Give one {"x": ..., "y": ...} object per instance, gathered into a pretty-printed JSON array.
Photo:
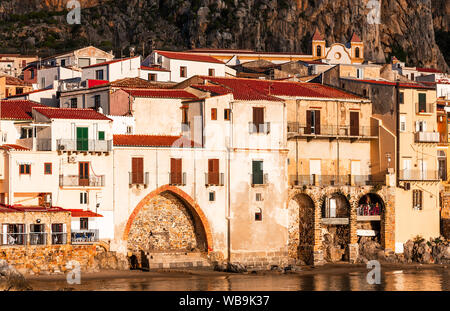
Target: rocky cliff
[{"x": 415, "y": 31}]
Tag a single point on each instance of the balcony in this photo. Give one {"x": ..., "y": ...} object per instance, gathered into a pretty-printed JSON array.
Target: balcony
[
  {"x": 296, "y": 129},
  {"x": 259, "y": 179},
  {"x": 88, "y": 145},
  {"x": 185, "y": 126},
  {"x": 263, "y": 128},
  {"x": 84, "y": 236},
  {"x": 334, "y": 180},
  {"x": 138, "y": 178},
  {"x": 80, "y": 181},
  {"x": 368, "y": 212},
  {"x": 419, "y": 175},
  {"x": 424, "y": 108},
  {"x": 44, "y": 144},
  {"x": 426, "y": 137},
  {"x": 34, "y": 238},
  {"x": 214, "y": 179},
  {"x": 177, "y": 179}
]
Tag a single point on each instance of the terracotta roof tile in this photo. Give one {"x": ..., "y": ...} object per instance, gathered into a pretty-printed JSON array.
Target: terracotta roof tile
[
  {"x": 355, "y": 38},
  {"x": 83, "y": 213},
  {"x": 189, "y": 57},
  {"x": 110, "y": 62},
  {"x": 160, "y": 93},
  {"x": 71, "y": 113},
  {"x": 17, "y": 109},
  {"x": 153, "y": 141},
  {"x": 317, "y": 36},
  {"x": 136, "y": 83},
  {"x": 14, "y": 147},
  {"x": 432, "y": 70},
  {"x": 14, "y": 81}
]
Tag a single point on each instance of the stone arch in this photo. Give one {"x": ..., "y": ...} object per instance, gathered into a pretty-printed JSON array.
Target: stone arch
[
  {"x": 199, "y": 218},
  {"x": 302, "y": 227},
  {"x": 343, "y": 204},
  {"x": 370, "y": 206}
]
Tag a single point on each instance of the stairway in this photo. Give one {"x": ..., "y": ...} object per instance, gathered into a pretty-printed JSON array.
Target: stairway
[{"x": 176, "y": 259}]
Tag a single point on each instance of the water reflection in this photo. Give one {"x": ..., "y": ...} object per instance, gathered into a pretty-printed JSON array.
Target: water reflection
[{"x": 401, "y": 280}]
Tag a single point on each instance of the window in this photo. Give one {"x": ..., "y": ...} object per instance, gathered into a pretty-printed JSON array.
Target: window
[
  {"x": 43, "y": 83},
  {"x": 129, "y": 129},
  {"x": 421, "y": 126},
  {"x": 213, "y": 172},
  {"x": 25, "y": 169},
  {"x": 312, "y": 122},
  {"x": 73, "y": 103},
  {"x": 319, "y": 51},
  {"x": 47, "y": 168},
  {"x": 183, "y": 72},
  {"x": 211, "y": 72},
  {"x": 96, "y": 102},
  {"x": 63, "y": 62},
  {"x": 258, "y": 119},
  {"x": 59, "y": 234},
  {"x": 100, "y": 60},
  {"x": 213, "y": 114},
  {"x": 402, "y": 123},
  {"x": 26, "y": 132},
  {"x": 359, "y": 73},
  {"x": 401, "y": 98},
  {"x": 257, "y": 173},
  {"x": 83, "y": 197},
  {"x": 422, "y": 102},
  {"x": 417, "y": 199},
  {"x": 258, "y": 215},
  {"x": 258, "y": 197},
  {"x": 32, "y": 73},
  {"x": 212, "y": 196},
  {"x": 24, "y": 63},
  {"x": 152, "y": 77},
  {"x": 37, "y": 234},
  {"x": 84, "y": 62},
  {"x": 99, "y": 74},
  {"x": 227, "y": 114},
  {"x": 84, "y": 223},
  {"x": 357, "y": 53},
  {"x": 176, "y": 175},
  {"x": 6, "y": 92},
  {"x": 184, "y": 115},
  {"x": 101, "y": 135},
  {"x": 15, "y": 234},
  {"x": 19, "y": 90},
  {"x": 137, "y": 170},
  {"x": 412, "y": 76}
]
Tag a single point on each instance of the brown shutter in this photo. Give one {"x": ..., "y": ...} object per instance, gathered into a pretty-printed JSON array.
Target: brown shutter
[
  {"x": 308, "y": 122},
  {"x": 317, "y": 122},
  {"x": 258, "y": 117},
  {"x": 176, "y": 171},
  {"x": 213, "y": 171},
  {"x": 213, "y": 113},
  {"x": 137, "y": 170},
  {"x": 354, "y": 123}
]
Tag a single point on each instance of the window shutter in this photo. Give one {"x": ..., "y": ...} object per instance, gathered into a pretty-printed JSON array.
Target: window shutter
[
  {"x": 317, "y": 122},
  {"x": 308, "y": 122},
  {"x": 424, "y": 126},
  {"x": 213, "y": 113},
  {"x": 417, "y": 126},
  {"x": 4, "y": 234}
]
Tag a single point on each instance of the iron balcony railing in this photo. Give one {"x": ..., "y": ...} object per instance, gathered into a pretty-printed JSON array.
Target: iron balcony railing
[
  {"x": 33, "y": 238},
  {"x": 59, "y": 238},
  {"x": 38, "y": 238},
  {"x": 14, "y": 238},
  {"x": 426, "y": 137},
  {"x": 80, "y": 181},
  {"x": 177, "y": 178},
  {"x": 368, "y": 210},
  {"x": 259, "y": 128},
  {"x": 84, "y": 236},
  {"x": 335, "y": 180},
  {"x": 139, "y": 178},
  {"x": 259, "y": 179},
  {"x": 297, "y": 128},
  {"x": 214, "y": 179},
  {"x": 90, "y": 145},
  {"x": 424, "y": 107},
  {"x": 419, "y": 175},
  {"x": 44, "y": 144}
]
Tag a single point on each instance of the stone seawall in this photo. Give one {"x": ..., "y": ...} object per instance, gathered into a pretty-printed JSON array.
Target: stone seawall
[{"x": 49, "y": 259}]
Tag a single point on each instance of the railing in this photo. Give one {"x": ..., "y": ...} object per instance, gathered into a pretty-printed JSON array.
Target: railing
[
  {"x": 176, "y": 178},
  {"x": 419, "y": 175},
  {"x": 138, "y": 178},
  {"x": 259, "y": 179},
  {"x": 214, "y": 179},
  {"x": 331, "y": 130},
  {"x": 84, "y": 236},
  {"x": 76, "y": 181},
  {"x": 59, "y": 238},
  {"x": 259, "y": 128},
  {"x": 15, "y": 239},
  {"x": 424, "y": 107},
  {"x": 92, "y": 145},
  {"x": 426, "y": 137},
  {"x": 334, "y": 180},
  {"x": 33, "y": 238},
  {"x": 38, "y": 238},
  {"x": 44, "y": 144},
  {"x": 368, "y": 210},
  {"x": 186, "y": 126}
]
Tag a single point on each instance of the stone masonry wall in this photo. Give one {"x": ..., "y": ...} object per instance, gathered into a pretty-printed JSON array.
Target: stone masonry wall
[
  {"x": 445, "y": 216},
  {"x": 165, "y": 224}
]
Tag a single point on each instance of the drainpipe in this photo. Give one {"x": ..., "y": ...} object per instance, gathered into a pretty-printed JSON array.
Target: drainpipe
[
  {"x": 10, "y": 191},
  {"x": 397, "y": 132},
  {"x": 296, "y": 142},
  {"x": 229, "y": 184},
  {"x": 337, "y": 139}
]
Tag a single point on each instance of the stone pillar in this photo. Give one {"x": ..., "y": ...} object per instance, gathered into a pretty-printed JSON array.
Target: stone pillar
[
  {"x": 317, "y": 249},
  {"x": 388, "y": 220},
  {"x": 353, "y": 245},
  {"x": 445, "y": 216}
]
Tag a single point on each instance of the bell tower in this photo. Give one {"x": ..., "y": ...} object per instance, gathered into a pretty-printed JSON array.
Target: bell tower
[
  {"x": 357, "y": 49},
  {"x": 318, "y": 45}
]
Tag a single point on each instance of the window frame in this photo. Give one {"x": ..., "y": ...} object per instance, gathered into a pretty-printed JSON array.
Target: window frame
[
  {"x": 213, "y": 114},
  {"x": 417, "y": 199},
  {"x": 45, "y": 168},
  {"x": 227, "y": 114},
  {"x": 101, "y": 135},
  {"x": 24, "y": 165},
  {"x": 84, "y": 223},
  {"x": 97, "y": 74},
  {"x": 183, "y": 72},
  {"x": 84, "y": 198}
]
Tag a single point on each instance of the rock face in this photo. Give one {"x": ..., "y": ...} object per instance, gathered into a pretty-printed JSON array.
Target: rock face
[
  {"x": 406, "y": 29},
  {"x": 11, "y": 279},
  {"x": 332, "y": 250},
  {"x": 433, "y": 251},
  {"x": 111, "y": 261}
]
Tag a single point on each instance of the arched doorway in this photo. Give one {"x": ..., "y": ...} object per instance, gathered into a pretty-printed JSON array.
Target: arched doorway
[
  {"x": 335, "y": 211},
  {"x": 301, "y": 228},
  {"x": 166, "y": 221},
  {"x": 369, "y": 215}
]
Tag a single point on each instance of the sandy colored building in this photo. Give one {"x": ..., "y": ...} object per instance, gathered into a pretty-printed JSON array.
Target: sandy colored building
[{"x": 12, "y": 86}]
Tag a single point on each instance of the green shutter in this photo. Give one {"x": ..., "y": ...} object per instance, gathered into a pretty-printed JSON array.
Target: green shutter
[
  {"x": 101, "y": 135},
  {"x": 82, "y": 139}
]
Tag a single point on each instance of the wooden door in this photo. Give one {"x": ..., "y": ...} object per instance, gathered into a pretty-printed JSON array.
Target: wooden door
[
  {"x": 83, "y": 176},
  {"x": 176, "y": 177},
  {"x": 82, "y": 139},
  {"x": 354, "y": 123},
  {"x": 258, "y": 118}
]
